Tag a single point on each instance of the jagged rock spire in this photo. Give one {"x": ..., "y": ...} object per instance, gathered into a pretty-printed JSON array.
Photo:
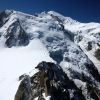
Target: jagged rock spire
[{"x": 49, "y": 81}]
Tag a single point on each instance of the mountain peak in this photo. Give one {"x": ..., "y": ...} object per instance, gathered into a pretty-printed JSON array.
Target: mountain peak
[
  {"x": 50, "y": 37},
  {"x": 66, "y": 19},
  {"x": 7, "y": 11},
  {"x": 54, "y": 13}
]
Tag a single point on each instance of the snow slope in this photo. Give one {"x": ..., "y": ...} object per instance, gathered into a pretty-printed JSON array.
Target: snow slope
[{"x": 17, "y": 61}]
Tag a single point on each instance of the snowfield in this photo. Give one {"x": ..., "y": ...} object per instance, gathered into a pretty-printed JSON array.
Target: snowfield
[{"x": 17, "y": 61}]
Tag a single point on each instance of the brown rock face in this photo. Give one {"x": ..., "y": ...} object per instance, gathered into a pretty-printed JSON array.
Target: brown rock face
[
  {"x": 51, "y": 81},
  {"x": 24, "y": 90}
]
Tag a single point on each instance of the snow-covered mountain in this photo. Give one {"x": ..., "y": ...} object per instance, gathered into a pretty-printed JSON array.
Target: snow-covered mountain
[{"x": 26, "y": 40}]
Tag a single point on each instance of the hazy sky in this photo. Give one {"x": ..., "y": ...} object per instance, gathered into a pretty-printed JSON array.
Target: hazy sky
[{"x": 81, "y": 10}]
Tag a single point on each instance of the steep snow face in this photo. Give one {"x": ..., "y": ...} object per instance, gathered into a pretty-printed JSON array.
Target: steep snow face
[
  {"x": 48, "y": 36},
  {"x": 87, "y": 36}
]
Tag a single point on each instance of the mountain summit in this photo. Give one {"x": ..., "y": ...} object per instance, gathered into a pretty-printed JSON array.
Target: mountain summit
[{"x": 74, "y": 47}]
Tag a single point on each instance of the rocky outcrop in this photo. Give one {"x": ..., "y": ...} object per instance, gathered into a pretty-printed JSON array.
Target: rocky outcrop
[
  {"x": 97, "y": 54},
  {"x": 4, "y": 17},
  {"x": 24, "y": 90},
  {"x": 16, "y": 36},
  {"x": 51, "y": 81}
]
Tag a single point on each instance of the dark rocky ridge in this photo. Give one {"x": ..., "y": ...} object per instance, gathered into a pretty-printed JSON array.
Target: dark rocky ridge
[
  {"x": 21, "y": 39},
  {"x": 52, "y": 81},
  {"x": 4, "y": 17}
]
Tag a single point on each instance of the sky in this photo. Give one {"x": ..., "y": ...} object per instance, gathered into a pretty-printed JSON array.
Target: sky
[{"x": 80, "y": 10}]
